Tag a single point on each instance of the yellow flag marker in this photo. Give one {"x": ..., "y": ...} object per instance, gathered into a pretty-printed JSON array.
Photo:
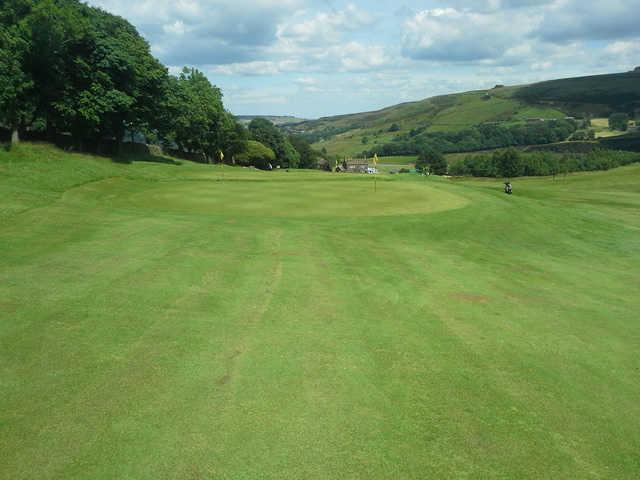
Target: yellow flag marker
[{"x": 375, "y": 168}]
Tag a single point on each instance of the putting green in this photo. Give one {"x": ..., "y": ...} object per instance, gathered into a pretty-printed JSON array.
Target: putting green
[
  {"x": 276, "y": 197},
  {"x": 157, "y": 321}
]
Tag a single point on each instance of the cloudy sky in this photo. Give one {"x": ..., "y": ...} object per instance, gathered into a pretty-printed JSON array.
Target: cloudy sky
[{"x": 312, "y": 58}]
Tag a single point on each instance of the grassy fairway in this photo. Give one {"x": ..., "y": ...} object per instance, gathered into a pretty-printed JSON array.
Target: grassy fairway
[{"x": 156, "y": 322}]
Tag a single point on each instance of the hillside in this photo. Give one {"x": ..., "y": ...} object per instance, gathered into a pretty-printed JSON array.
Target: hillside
[
  {"x": 598, "y": 95},
  {"x": 557, "y": 99},
  {"x": 279, "y": 120}
]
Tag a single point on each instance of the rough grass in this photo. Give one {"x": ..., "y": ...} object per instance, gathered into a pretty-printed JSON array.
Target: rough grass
[{"x": 159, "y": 321}]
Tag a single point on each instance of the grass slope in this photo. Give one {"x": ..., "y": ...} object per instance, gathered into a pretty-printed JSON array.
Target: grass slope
[
  {"x": 157, "y": 322},
  {"x": 599, "y": 95}
]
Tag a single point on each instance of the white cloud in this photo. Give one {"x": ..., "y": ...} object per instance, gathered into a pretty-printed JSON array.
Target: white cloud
[
  {"x": 326, "y": 27},
  {"x": 354, "y": 57},
  {"x": 567, "y": 20},
  {"x": 448, "y": 34},
  {"x": 623, "y": 48},
  {"x": 201, "y": 32},
  {"x": 175, "y": 28},
  {"x": 256, "y": 68}
]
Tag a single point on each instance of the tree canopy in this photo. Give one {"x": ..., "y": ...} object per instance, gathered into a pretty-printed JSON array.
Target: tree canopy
[
  {"x": 256, "y": 155},
  {"x": 68, "y": 68},
  {"x": 265, "y": 132},
  {"x": 619, "y": 121},
  {"x": 433, "y": 161}
]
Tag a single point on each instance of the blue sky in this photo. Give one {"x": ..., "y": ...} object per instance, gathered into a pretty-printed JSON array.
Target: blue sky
[{"x": 313, "y": 58}]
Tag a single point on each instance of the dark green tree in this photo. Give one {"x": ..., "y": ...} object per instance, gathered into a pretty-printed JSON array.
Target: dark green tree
[
  {"x": 256, "y": 154},
  {"x": 433, "y": 161},
  {"x": 308, "y": 156},
  {"x": 79, "y": 70},
  {"x": 619, "y": 121},
  {"x": 58, "y": 34},
  {"x": 265, "y": 132},
  {"x": 16, "y": 87},
  {"x": 509, "y": 163},
  {"x": 234, "y": 138},
  {"x": 193, "y": 115}
]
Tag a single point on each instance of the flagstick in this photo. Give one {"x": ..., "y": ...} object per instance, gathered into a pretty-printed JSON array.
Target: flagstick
[{"x": 375, "y": 175}]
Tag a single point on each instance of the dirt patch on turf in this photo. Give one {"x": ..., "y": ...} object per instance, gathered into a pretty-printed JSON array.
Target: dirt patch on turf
[
  {"x": 9, "y": 306},
  {"x": 223, "y": 380},
  {"x": 469, "y": 297},
  {"x": 236, "y": 353}
]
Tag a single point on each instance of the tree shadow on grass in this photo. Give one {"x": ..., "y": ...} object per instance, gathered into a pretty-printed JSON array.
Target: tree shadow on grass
[
  {"x": 143, "y": 153},
  {"x": 149, "y": 157}
]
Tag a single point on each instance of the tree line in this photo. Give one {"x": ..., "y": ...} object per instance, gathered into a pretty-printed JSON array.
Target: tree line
[
  {"x": 75, "y": 71},
  {"x": 479, "y": 137},
  {"x": 511, "y": 163}
]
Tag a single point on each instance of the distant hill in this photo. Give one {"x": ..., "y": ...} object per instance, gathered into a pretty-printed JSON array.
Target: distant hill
[
  {"x": 596, "y": 95},
  {"x": 275, "y": 119}
]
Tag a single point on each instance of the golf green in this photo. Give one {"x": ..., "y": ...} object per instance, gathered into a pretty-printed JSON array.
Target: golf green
[{"x": 192, "y": 321}]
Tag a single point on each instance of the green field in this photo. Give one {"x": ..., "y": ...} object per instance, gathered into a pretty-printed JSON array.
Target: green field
[
  {"x": 601, "y": 127},
  {"x": 398, "y": 160},
  {"x": 189, "y": 321}
]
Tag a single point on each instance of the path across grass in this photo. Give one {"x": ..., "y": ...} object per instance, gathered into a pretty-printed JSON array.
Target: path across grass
[{"x": 157, "y": 321}]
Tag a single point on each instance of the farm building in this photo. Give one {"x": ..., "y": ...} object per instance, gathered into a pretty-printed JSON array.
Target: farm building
[{"x": 354, "y": 165}]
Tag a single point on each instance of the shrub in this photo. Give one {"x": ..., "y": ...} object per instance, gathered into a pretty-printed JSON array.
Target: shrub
[{"x": 256, "y": 155}]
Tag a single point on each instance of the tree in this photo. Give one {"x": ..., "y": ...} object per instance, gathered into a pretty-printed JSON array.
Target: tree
[
  {"x": 59, "y": 38},
  {"x": 193, "y": 115},
  {"x": 72, "y": 68},
  {"x": 235, "y": 137},
  {"x": 16, "y": 105},
  {"x": 394, "y": 127},
  {"x": 308, "y": 156},
  {"x": 135, "y": 77},
  {"x": 290, "y": 157},
  {"x": 257, "y": 155},
  {"x": 619, "y": 121},
  {"x": 265, "y": 132},
  {"x": 433, "y": 161},
  {"x": 509, "y": 163},
  {"x": 92, "y": 74}
]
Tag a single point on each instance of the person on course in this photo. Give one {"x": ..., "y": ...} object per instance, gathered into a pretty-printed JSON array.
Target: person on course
[{"x": 508, "y": 188}]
